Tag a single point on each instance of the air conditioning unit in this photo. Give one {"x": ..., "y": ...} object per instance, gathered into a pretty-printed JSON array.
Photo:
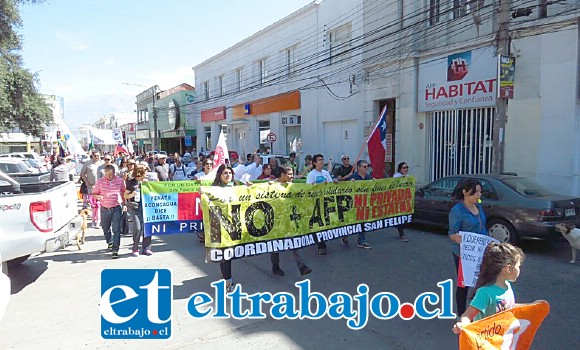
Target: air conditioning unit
[{"x": 292, "y": 120}]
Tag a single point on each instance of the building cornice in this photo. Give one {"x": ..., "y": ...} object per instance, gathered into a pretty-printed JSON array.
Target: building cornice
[{"x": 313, "y": 5}]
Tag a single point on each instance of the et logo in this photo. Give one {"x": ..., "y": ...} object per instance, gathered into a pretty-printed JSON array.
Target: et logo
[{"x": 136, "y": 303}]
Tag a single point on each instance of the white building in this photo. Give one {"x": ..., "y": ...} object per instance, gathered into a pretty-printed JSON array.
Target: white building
[
  {"x": 332, "y": 65},
  {"x": 276, "y": 81}
]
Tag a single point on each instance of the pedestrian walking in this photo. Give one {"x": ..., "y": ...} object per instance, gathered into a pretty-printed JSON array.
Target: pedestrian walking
[
  {"x": 89, "y": 177},
  {"x": 316, "y": 176},
  {"x": 500, "y": 267},
  {"x": 135, "y": 212},
  {"x": 468, "y": 216},
  {"x": 162, "y": 168},
  {"x": 402, "y": 171},
  {"x": 361, "y": 173},
  {"x": 110, "y": 190},
  {"x": 286, "y": 177}
]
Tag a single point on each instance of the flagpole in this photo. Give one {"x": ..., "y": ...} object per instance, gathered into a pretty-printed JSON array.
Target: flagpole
[{"x": 366, "y": 142}]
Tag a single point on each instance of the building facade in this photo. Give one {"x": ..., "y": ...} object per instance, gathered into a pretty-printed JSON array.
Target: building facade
[{"x": 319, "y": 78}]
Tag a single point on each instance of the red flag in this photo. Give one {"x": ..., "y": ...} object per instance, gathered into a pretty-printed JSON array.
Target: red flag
[
  {"x": 377, "y": 145},
  {"x": 120, "y": 148}
]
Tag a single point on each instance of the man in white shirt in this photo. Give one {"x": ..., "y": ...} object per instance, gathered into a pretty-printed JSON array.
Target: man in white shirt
[
  {"x": 255, "y": 169},
  {"x": 319, "y": 175}
]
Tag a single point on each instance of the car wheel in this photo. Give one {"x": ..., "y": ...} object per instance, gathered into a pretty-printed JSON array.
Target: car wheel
[
  {"x": 502, "y": 230},
  {"x": 17, "y": 261}
]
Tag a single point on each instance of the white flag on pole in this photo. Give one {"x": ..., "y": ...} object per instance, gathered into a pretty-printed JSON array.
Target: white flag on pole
[
  {"x": 220, "y": 155},
  {"x": 130, "y": 145}
]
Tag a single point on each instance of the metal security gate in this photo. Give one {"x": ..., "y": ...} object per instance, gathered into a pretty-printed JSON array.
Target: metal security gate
[{"x": 460, "y": 142}]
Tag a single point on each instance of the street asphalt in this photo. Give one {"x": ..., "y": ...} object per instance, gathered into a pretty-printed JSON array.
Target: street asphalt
[{"x": 55, "y": 297}]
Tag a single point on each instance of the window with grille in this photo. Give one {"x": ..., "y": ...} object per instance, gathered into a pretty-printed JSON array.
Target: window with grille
[
  {"x": 262, "y": 73},
  {"x": 220, "y": 85},
  {"x": 433, "y": 12},
  {"x": 206, "y": 90},
  {"x": 339, "y": 41},
  {"x": 238, "y": 79}
]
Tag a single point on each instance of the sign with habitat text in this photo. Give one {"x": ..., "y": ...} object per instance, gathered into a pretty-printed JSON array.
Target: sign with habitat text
[
  {"x": 460, "y": 80},
  {"x": 171, "y": 207},
  {"x": 472, "y": 248},
  {"x": 243, "y": 221}
]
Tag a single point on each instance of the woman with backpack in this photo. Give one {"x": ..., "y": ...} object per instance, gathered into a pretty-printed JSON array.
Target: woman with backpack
[{"x": 178, "y": 170}]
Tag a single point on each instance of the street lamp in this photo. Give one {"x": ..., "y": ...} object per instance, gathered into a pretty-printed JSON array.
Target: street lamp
[{"x": 153, "y": 91}]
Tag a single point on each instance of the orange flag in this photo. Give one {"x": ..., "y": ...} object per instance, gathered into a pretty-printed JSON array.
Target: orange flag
[{"x": 512, "y": 329}]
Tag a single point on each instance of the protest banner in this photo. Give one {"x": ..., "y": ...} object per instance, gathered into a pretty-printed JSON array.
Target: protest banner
[
  {"x": 244, "y": 221},
  {"x": 171, "y": 207},
  {"x": 471, "y": 249},
  {"x": 512, "y": 329}
]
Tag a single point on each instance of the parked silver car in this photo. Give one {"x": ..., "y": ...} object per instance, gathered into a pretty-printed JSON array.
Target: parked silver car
[
  {"x": 21, "y": 171},
  {"x": 515, "y": 207}
]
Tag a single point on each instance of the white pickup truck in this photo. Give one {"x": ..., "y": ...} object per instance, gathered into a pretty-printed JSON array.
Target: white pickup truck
[{"x": 34, "y": 218}]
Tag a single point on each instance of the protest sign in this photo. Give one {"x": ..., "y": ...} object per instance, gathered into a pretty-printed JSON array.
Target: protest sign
[
  {"x": 243, "y": 221},
  {"x": 171, "y": 207},
  {"x": 471, "y": 250},
  {"x": 512, "y": 329}
]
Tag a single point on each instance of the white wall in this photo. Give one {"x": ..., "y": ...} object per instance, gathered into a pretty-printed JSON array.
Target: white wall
[{"x": 543, "y": 124}]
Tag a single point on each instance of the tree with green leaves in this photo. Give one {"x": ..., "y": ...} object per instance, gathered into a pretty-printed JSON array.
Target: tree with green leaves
[{"x": 21, "y": 104}]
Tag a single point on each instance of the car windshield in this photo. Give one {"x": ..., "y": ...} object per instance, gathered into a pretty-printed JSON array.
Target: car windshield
[
  {"x": 13, "y": 168},
  {"x": 33, "y": 163},
  {"x": 527, "y": 188}
]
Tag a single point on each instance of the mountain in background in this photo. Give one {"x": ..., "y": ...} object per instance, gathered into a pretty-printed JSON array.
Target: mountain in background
[{"x": 90, "y": 109}]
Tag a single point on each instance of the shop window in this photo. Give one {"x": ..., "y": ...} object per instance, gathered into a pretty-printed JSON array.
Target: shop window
[
  {"x": 207, "y": 132},
  {"x": 264, "y": 130}
]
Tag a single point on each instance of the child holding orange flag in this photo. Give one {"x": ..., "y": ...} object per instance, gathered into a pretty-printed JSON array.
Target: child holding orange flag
[{"x": 499, "y": 268}]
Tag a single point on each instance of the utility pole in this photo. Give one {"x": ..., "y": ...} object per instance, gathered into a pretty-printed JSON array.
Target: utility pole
[
  {"x": 503, "y": 43},
  {"x": 156, "y": 136}
]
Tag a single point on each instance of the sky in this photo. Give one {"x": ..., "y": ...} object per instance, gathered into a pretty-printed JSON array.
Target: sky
[{"x": 84, "y": 50}]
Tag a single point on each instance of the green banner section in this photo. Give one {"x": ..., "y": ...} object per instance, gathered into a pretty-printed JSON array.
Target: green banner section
[
  {"x": 163, "y": 187},
  {"x": 290, "y": 216}
]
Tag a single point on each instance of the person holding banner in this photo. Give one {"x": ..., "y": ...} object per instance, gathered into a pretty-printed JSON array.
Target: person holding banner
[
  {"x": 402, "y": 171},
  {"x": 225, "y": 178},
  {"x": 468, "y": 216},
  {"x": 361, "y": 173},
  {"x": 286, "y": 177},
  {"x": 316, "y": 176},
  {"x": 134, "y": 207},
  {"x": 493, "y": 292}
]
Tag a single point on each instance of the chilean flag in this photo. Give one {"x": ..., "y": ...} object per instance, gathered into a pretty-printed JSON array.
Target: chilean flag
[
  {"x": 377, "y": 145},
  {"x": 120, "y": 148}
]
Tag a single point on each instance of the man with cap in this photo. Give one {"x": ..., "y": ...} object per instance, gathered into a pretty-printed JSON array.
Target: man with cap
[
  {"x": 107, "y": 159},
  {"x": 306, "y": 168},
  {"x": 162, "y": 168},
  {"x": 89, "y": 177},
  {"x": 345, "y": 170}
]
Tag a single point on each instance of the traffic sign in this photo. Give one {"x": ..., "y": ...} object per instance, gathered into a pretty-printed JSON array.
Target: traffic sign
[{"x": 271, "y": 137}]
